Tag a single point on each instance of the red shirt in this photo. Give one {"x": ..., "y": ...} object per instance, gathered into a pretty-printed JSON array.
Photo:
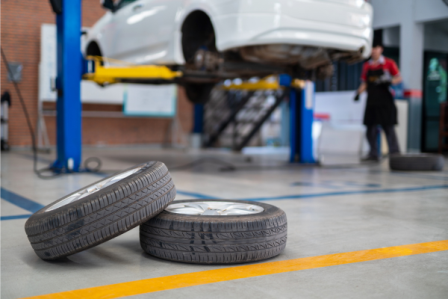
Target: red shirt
[{"x": 388, "y": 65}]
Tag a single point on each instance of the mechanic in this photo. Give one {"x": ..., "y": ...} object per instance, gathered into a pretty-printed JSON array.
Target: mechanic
[{"x": 377, "y": 76}]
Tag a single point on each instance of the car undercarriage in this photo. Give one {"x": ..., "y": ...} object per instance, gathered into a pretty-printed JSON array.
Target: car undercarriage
[{"x": 301, "y": 62}]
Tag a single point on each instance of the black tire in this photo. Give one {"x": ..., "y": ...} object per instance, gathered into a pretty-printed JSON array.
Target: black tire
[
  {"x": 101, "y": 216},
  {"x": 94, "y": 50},
  {"x": 216, "y": 239},
  {"x": 416, "y": 162},
  {"x": 198, "y": 93}
]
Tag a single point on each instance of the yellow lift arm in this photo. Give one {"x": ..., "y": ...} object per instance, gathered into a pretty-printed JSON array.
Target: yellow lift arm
[
  {"x": 264, "y": 84},
  {"x": 104, "y": 75}
]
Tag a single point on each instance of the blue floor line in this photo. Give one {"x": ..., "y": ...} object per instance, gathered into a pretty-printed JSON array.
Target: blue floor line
[
  {"x": 197, "y": 195},
  {"x": 356, "y": 184},
  {"x": 33, "y": 206},
  {"x": 20, "y": 201},
  {"x": 408, "y": 174},
  {"x": 420, "y": 176},
  {"x": 298, "y": 196},
  {"x": 13, "y": 217}
]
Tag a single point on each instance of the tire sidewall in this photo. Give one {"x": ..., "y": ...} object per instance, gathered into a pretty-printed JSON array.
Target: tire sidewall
[
  {"x": 268, "y": 211},
  {"x": 215, "y": 239},
  {"x": 42, "y": 214},
  {"x": 417, "y": 162}
]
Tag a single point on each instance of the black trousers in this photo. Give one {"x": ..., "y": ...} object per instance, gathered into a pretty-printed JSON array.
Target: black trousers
[{"x": 372, "y": 138}]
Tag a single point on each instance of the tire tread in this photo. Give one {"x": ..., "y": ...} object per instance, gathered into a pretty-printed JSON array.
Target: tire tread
[
  {"x": 109, "y": 213},
  {"x": 223, "y": 240}
]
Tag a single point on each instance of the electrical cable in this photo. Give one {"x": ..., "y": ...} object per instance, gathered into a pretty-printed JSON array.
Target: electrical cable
[{"x": 39, "y": 172}]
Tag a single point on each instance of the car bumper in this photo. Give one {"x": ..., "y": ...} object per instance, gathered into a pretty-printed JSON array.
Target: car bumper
[{"x": 321, "y": 25}]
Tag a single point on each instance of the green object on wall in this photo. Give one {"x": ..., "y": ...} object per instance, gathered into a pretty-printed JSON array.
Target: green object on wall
[{"x": 435, "y": 93}]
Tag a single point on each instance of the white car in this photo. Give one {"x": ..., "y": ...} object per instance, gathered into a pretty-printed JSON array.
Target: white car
[{"x": 210, "y": 40}]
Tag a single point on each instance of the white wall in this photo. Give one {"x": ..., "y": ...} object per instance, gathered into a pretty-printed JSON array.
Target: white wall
[
  {"x": 391, "y": 36},
  {"x": 436, "y": 37},
  {"x": 389, "y": 13},
  {"x": 341, "y": 107},
  {"x": 429, "y": 10}
]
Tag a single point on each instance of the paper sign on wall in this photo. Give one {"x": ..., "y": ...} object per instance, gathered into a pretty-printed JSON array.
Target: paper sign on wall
[{"x": 156, "y": 100}]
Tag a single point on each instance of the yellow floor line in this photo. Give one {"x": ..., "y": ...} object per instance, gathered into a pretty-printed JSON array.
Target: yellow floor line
[{"x": 237, "y": 272}]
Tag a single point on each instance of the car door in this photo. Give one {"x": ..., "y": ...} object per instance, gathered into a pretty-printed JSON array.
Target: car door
[
  {"x": 355, "y": 3},
  {"x": 118, "y": 42},
  {"x": 143, "y": 29}
]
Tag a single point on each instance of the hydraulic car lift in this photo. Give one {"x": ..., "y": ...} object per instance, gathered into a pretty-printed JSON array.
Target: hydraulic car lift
[
  {"x": 148, "y": 74},
  {"x": 72, "y": 67},
  {"x": 301, "y": 103}
]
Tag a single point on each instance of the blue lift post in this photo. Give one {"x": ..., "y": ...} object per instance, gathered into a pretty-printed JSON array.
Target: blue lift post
[
  {"x": 68, "y": 84},
  {"x": 198, "y": 118},
  {"x": 196, "y": 140},
  {"x": 301, "y": 105},
  {"x": 306, "y": 123}
]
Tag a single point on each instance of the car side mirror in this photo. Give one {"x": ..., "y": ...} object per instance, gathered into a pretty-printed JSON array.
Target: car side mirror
[{"x": 108, "y": 4}]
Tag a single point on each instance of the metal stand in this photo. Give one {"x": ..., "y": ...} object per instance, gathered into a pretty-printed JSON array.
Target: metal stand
[
  {"x": 306, "y": 121},
  {"x": 301, "y": 101},
  {"x": 198, "y": 126},
  {"x": 198, "y": 118},
  {"x": 301, "y": 107}
]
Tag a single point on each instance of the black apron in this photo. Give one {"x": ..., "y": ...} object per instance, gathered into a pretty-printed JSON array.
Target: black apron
[{"x": 380, "y": 108}]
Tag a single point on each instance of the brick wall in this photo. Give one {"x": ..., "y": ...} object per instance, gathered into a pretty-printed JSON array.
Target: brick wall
[{"x": 20, "y": 39}]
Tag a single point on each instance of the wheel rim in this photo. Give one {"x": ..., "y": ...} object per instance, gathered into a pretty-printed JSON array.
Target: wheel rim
[
  {"x": 214, "y": 208},
  {"x": 93, "y": 188}
]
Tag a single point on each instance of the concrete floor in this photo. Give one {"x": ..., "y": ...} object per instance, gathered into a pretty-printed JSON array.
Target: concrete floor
[{"x": 330, "y": 210}]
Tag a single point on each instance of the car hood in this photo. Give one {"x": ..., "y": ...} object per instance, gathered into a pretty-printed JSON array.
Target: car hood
[{"x": 356, "y": 3}]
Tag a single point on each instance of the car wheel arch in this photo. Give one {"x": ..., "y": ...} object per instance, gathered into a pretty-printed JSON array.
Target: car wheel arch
[
  {"x": 93, "y": 49},
  {"x": 192, "y": 21}
]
